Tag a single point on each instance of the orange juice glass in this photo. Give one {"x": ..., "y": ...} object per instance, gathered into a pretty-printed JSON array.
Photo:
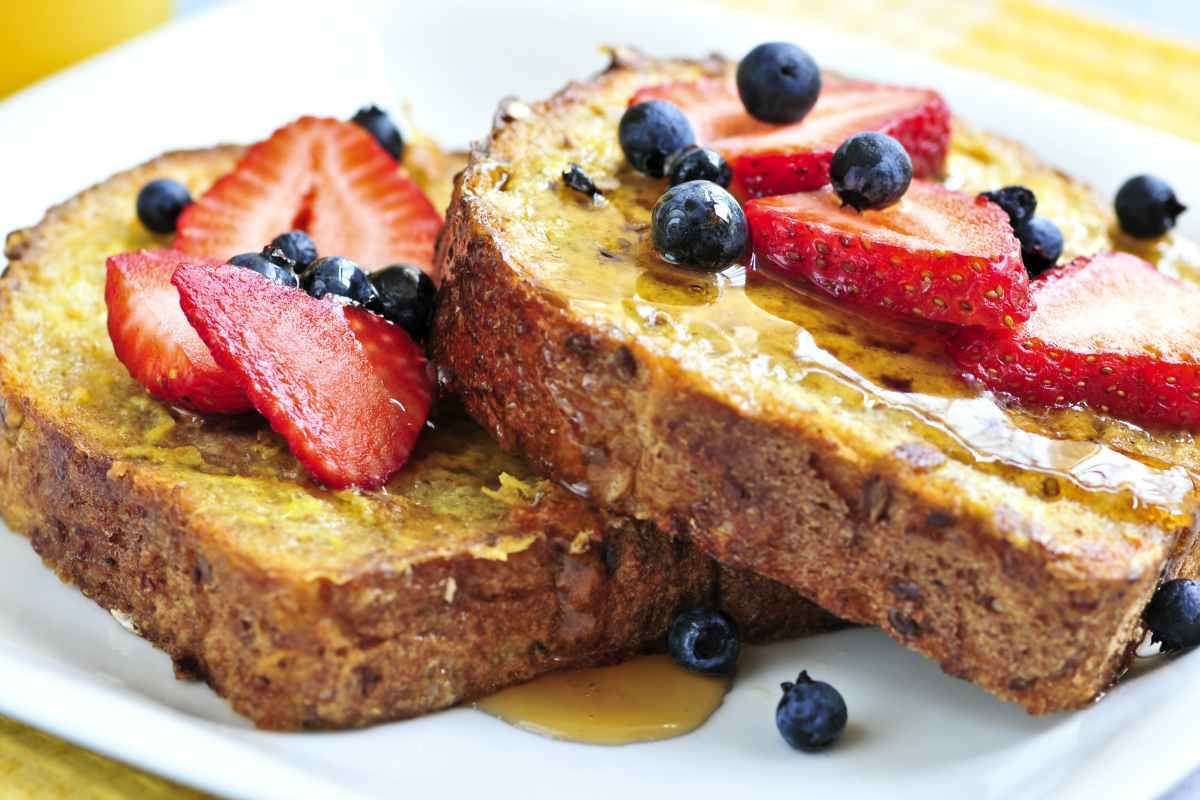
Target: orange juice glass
[{"x": 38, "y": 37}]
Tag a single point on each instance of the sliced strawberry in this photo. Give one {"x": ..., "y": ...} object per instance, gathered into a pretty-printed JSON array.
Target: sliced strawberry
[
  {"x": 324, "y": 176},
  {"x": 156, "y": 343},
  {"x": 348, "y": 390},
  {"x": 1111, "y": 332},
  {"x": 780, "y": 159},
  {"x": 936, "y": 255}
]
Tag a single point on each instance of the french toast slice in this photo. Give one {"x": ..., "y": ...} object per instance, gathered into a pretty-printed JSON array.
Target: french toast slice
[
  {"x": 310, "y": 608},
  {"x": 829, "y": 449}
]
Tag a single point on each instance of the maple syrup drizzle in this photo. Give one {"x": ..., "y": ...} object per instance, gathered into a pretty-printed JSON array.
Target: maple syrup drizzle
[{"x": 646, "y": 699}]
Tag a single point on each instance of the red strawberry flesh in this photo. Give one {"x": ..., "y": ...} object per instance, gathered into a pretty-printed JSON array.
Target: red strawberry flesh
[
  {"x": 780, "y": 159},
  {"x": 937, "y": 255},
  {"x": 327, "y": 177},
  {"x": 154, "y": 340},
  {"x": 348, "y": 391},
  {"x": 1111, "y": 332}
]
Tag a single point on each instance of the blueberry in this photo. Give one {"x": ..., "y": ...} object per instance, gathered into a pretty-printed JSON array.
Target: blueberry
[
  {"x": 778, "y": 82},
  {"x": 267, "y": 268},
  {"x": 1017, "y": 201},
  {"x": 1147, "y": 207},
  {"x": 651, "y": 131},
  {"x": 811, "y": 715},
  {"x": 1041, "y": 245},
  {"x": 296, "y": 245},
  {"x": 407, "y": 297},
  {"x": 705, "y": 641},
  {"x": 693, "y": 163},
  {"x": 338, "y": 276},
  {"x": 698, "y": 224},
  {"x": 160, "y": 203},
  {"x": 376, "y": 122},
  {"x": 574, "y": 177},
  {"x": 280, "y": 258},
  {"x": 1173, "y": 615},
  {"x": 870, "y": 170}
]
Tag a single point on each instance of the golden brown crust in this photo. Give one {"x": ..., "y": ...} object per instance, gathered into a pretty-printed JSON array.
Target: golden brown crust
[
  {"x": 290, "y": 653},
  {"x": 293, "y": 651},
  {"x": 591, "y": 406}
]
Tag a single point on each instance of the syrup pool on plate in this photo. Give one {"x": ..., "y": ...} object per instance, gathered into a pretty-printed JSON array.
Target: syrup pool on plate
[{"x": 643, "y": 700}]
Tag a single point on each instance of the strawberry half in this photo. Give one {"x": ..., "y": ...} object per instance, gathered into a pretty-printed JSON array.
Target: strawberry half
[
  {"x": 1111, "y": 332},
  {"x": 937, "y": 255},
  {"x": 156, "y": 343},
  {"x": 323, "y": 176},
  {"x": 348, "y": 390},
  {"x": 780, "y": 159}
]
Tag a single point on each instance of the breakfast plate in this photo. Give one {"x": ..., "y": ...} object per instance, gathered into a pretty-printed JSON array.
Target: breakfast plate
[{"x": 69, "y": 667}]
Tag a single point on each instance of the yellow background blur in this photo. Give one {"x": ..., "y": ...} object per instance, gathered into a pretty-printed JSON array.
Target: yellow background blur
[{"x": 38, "y": 37}]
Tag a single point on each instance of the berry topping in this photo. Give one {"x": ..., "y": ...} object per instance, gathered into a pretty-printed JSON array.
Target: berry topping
[
  {"x": 407, "y": 297},
  {"x": 298, "y": 246},
  {"x": 160, "y": 203},
  {"x": 375, "y": 121},
  {"x": 1111, "y": 331},
  {"x": 338, "y": 276},
  {"x": 811, "y": 715},
  {"x": 348, "y": 390},
  {"x": 328, "y": 178},
  {"x": 704, "y": 640},
  {"x": 277, "y": 257},
  {"x": 269, "y": 269},
  {"x": 1173, "y": 615},
  {"x": 1041, "y": 245},
  {"x": 1147, "y": 207},
  {"x": 870, "y": 170},
  {"x": 938, "y": 255},
  {"x": 771, "y": 159},
  {"x": 698, "y": 224},
  {"x": 575, "y": 178},
  {"x": 694, "y": 163},
  {"x": 651, "y": 131},
  {"x": 1017, "y": 201},
  {"x": 778, "y": 82},
  {"x": 155, "y": 342}
]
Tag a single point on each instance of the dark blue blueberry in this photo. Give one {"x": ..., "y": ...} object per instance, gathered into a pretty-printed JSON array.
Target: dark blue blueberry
[
  {"x": 778, "y": 82},
  {"x": 338, "y": 276},
  {"x": 1147, "y": 207},
  {"x": 870, "y": 170},
  {"x": 705, "y": 641},
  {"x": 280, "y": 258},
  {"x": 160, "y": 203},
  {"x": 811, "y": 715},
  {"x": 693, "y": 163},
  {"x": 264, "y": 266},
  {"x": 651, "y": 131},
  {"x": 699, "y": 224},
  {"x": 574, "y": 177},
  {"x": 1173, "y": 615},
  {"x": 377, "y": 122},
  {"x": 298, "y": 246},
  {"x": 1017, "y": 201},
  {"x": 1041, "y": 245},
  {"x": 407, "y": 297}
]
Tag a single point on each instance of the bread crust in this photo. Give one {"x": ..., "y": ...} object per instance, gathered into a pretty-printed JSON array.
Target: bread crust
[
  {"x": 290, "y": 650},
  {"x": 589, "y": 405}
]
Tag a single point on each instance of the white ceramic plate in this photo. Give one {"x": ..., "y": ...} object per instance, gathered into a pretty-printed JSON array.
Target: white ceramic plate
[{"x": 66, "y": 666}]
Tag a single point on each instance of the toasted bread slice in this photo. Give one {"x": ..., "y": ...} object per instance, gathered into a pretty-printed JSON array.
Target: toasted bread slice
[
  {"x": 305, "y": 607},
  {"x": 831, "y": 450}
]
